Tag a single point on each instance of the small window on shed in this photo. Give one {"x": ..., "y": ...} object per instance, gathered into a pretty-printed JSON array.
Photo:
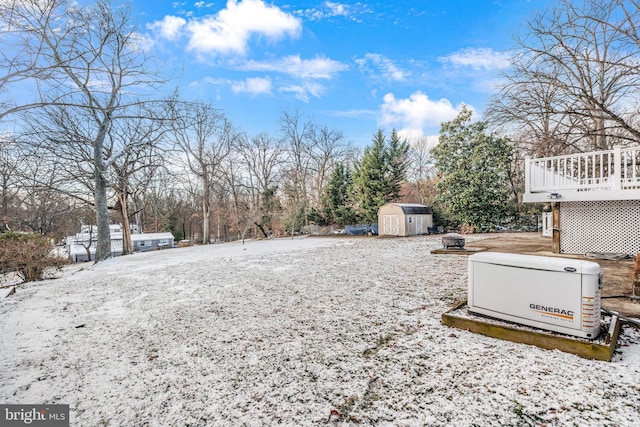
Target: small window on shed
[{"x": 410, "y": 220}]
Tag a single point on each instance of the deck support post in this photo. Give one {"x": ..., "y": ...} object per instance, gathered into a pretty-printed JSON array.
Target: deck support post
[{"x": 555, "y": 216}]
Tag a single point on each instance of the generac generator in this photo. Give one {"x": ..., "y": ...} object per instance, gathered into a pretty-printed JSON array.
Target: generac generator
[{"x": 556, "y": 294}]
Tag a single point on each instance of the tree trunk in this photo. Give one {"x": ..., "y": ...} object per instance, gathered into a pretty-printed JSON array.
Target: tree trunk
[
  {"x": 126, "y": 228},
  {"x": 262, "y": 229},
  {"x": 218, "y": 227},
  {"x": 103, "y": 245},
  {"x": 205, "y": 221},
  {"x": 87, "y": 247},
  {"x": 138, "y": 213},
  {"x": 601, "y": 136}
]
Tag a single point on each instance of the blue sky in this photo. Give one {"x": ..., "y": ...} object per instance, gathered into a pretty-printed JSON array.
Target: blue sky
[{"x": 353, "y": 66}]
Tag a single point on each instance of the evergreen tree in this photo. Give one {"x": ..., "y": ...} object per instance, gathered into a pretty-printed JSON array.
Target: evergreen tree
[
  {"x": 397, "y": 164},
  {"x": 370, "y": 184},
  {"x": 472, "y": 170},
  {"x": 335, "y": 203},
  {"x": 378, "y": 177},
  {"x": 172, "y": 225}
]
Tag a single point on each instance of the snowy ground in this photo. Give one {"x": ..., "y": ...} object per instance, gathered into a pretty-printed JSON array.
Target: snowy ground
[{"x": 294, "y": 332}]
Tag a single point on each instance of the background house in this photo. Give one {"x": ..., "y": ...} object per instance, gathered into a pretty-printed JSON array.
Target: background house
[
  {"x": 141, "y": 242},
  {"x": 150, "y": 241}
]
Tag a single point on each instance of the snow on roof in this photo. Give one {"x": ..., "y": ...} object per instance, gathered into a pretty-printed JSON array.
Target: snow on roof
[
  {"x": 291, "y": 330},
  {"x": 151, "y": 236}
]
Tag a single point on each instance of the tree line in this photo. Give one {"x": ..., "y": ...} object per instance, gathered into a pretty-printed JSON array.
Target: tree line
[{"x": 86, "y": 139}]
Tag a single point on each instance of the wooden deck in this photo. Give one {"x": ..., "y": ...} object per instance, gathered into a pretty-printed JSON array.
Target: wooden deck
[{"x": 598, "y": 175}]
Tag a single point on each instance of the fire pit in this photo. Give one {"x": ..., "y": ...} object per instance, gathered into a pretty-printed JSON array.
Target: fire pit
[{"x": 453, "y": 240}]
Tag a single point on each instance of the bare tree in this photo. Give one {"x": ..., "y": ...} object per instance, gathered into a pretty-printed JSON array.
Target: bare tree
[
  {"x": 576, "y": 78},
  {"x": 188, "y": 196},
  {"x": 139, "y": 142},
  {"x": 421, "y": 170},
  {"x": 528, "y": 110},
  {"x": 296, "y": 135},
  {"x": 153, "y": 202},
  {"x": 93, "y": 73},
  {"x": 327, "y": 148},
  {"x": 206, "y": 138},
  {"x": 236, "y": 186},
  {"x": 43, "y": 210},
  {"x": 9, "y": 183},
  {"x": 312, "y": 152},
  {"x": 20, "y": 61},
  {"x": 263, "y": 157},
  {"x": 27, "y": 202}
]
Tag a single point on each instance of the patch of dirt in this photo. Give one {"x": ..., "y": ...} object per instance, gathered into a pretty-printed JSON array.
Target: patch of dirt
[{"x": 618, "y": 275}]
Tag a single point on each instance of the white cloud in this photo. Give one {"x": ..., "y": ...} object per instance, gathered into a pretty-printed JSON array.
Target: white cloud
[
  {"x": 354, "y": 114},
  {"x": 229, "y": 31},
  {"x": 293, "y": 65},
  {"x": 210, "y": 80},
  {"x": 141, "y": 42},
  {"x": 417, "y": 135},
  {"x": 336, "y": 9},
  {"x": 328, "y": 9},
  {"x": 255, "y": 86},
  {"x": 251, "y": 85},
  {"x": 169, "y": 27},
  {"x": 482, "y": 58},
  {"x": 263, "y": 85},
  {"x": 383, "y": 65},
  {"x": 305, "y": 91},
  {"x": 412, "y": 115}
]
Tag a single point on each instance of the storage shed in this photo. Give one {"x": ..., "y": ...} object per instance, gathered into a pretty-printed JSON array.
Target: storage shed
[{"x": 404, "y": 219}]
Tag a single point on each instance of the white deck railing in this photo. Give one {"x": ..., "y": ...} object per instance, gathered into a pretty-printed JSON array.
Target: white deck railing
[{"x": 616, "y": 170}]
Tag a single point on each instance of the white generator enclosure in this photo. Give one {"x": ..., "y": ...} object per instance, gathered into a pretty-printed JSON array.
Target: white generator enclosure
[{"x": 556, "y": 294}]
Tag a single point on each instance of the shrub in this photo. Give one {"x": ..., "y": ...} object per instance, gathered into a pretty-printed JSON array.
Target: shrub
[{"x": 29, "y": 256}]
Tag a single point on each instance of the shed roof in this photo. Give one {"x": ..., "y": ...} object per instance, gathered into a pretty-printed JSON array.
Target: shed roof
[{"x": 413, "y": 208}]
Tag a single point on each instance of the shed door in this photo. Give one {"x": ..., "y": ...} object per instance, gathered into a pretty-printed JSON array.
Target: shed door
[
  {"x": 410, "y": 226},
  {"x": 390, "y": 224},
  {"x": 419, "y": 229}
]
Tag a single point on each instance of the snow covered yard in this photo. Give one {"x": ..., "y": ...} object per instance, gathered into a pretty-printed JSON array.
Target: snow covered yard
[{"x": 295, "y": 332}]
